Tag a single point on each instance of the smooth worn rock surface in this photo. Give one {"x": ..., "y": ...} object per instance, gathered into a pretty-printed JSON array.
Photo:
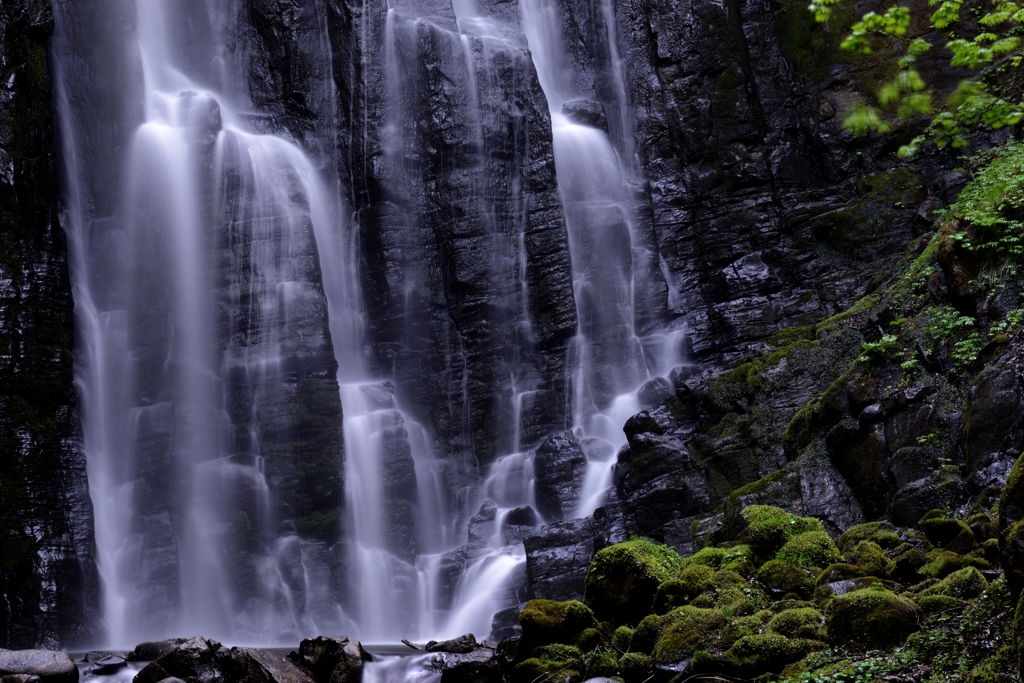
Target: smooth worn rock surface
[{"x": 50, "y": 666}]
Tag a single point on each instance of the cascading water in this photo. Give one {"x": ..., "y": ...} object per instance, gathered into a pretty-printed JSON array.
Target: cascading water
[
  {"x": 205, "y": 346},
  {"x": 594, "y": 163},
  {"x": 223, "y": 331}
]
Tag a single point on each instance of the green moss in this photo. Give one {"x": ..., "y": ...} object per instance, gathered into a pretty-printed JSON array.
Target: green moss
[
  {"x": 589, "y": 638},
  {"x": 734, "y": 602},
  {"x": 965, "y": 584},
  {"x": 784, "y": 577},
  {"x": 932, "y": 604},
  {"x": 942, "y": 563},
  {"x": 635, "y": 667},
  {"x": 772, "y": 650},
  {"x": 550, "y": 621},
  {"x": 869, "y": 557},
  {"x": 770, "y": 527},
  {"x": 870, "y": 618},
  {"x": 693, "y": 580},
  {"x": 799, "y": 432},
  {"x": 686, "y": 630},
  {"x": 838, "y": 572},
  {"x": 947, "y": 532},
  {"x": 646, "y": 634},
  {"x": 602, "y": 663},
  {"x": 799, "y": 623},
  {"x": 745, "y": 626},
  {"x": 623, "y": 579},
  {"x": 621, "y": 638},
  {"x": 809, "y": 549}
]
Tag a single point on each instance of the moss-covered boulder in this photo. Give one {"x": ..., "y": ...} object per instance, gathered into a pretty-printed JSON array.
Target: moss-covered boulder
[
  {"x": 804, "y": 622},
  {"x": 693, "y": 580},
  {"x": 839, "y": 572},
  {"x": 737, "y": 558},
  {"x": 748, "y": 625},
  {"x": 734, "y": 602},
  {"x": 782, "y": 578},
  {"x": 951, "y": 534},
  {"x": 809, "y": 549},
  {"x": 869, "y": 557},
  {"x": 635, "y": 667},
  {"x": 770, "y": 527},
  {"x": 771, "y": 650},
  {"x": 623, "y": 579},
  {"x": 560, "y": 663},
  {"x": 933, "y": 604},
  {"x": 965, "y": 584},
  {"x": 871, "y": 618},
  {"x": 1011, "y": 528},
  {"x": 686, "y": 630},
  {"x": 550, "y": 621},
  {"x": 622, "y": 637},
  {"x": 882, "y": 533},
  {"x": 941, "y": 563}
]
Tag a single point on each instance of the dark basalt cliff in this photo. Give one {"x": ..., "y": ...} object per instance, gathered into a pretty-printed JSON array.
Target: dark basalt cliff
[{"x": 49, "y": 591}]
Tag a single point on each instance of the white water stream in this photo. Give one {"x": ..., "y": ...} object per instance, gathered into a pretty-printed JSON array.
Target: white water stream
[{"x": 203, "y": 280}]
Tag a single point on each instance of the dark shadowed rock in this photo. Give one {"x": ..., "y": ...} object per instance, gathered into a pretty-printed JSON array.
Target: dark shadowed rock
[
  {"x": 49, "y": 665},
  {"x": 104, "y": 662},
  {"x": 260, "y": 666},
  {"x": 586, "y": 113},
  {"x": 476, "y": 666},
  {"x": 654, "y": 392},
  {"x": 150, "y": 650},
  {"x": 196, "y": 660},
  {"x": 505, "y": 624},
  {"x": 559, "y": 464},
  {"x": 461, "y": 645},
  {"x": 337, "y": 660},
  {"x": 558, "y": 557}
]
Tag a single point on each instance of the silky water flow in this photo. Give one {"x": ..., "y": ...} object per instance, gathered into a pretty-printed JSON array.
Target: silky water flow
[{"x": 210, "y": 255}]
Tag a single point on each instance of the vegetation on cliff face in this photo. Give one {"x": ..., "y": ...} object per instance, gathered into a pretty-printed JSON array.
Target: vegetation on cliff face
[{"x": 916, "y": 401}]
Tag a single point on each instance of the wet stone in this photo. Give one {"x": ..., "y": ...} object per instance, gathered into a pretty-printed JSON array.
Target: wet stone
[{"x": 49, "y": 665}]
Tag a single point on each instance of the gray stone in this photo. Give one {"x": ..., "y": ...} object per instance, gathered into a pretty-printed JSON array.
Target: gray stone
[
  {"x": 654, "y": 392},
  {"x": 49, "y": 665}
]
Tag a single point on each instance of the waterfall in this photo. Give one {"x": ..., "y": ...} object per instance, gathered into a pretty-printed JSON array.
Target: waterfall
[
  {"x": 593, "y": 157},
  {"x": 206, "y": 368},
  {"x": 272, "y": 452}
]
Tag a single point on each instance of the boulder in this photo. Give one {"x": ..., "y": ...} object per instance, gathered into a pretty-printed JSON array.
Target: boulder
[
  {"x": 50, "y": 666},
  {"x": 586, "y": 113},
  {"x": 550, "y": 621},
  {"x": 151, "y": 649},
  {"x": 337, "y": 660},
  {"x": 461, "y": 645},
  {"x": 260, "y": 666},
  {"x": 196, "y": 660},
  {"x": 478, "y": 665},
  {"x": 624, "y": 578},
  {"x": 1011, "y": 516},
  {"x": 104, "y": 662},
  {"x": 654, "y": 392},
  {"x": 871, "y": 618}
]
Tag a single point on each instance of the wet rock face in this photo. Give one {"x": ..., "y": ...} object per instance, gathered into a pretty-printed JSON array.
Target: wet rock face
[
  {"x": 559, "y": 465},
  {"x": 461, "y": 231},
  {"x": 48, "y": 582},
  {"x": 753, "y": 185}
]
